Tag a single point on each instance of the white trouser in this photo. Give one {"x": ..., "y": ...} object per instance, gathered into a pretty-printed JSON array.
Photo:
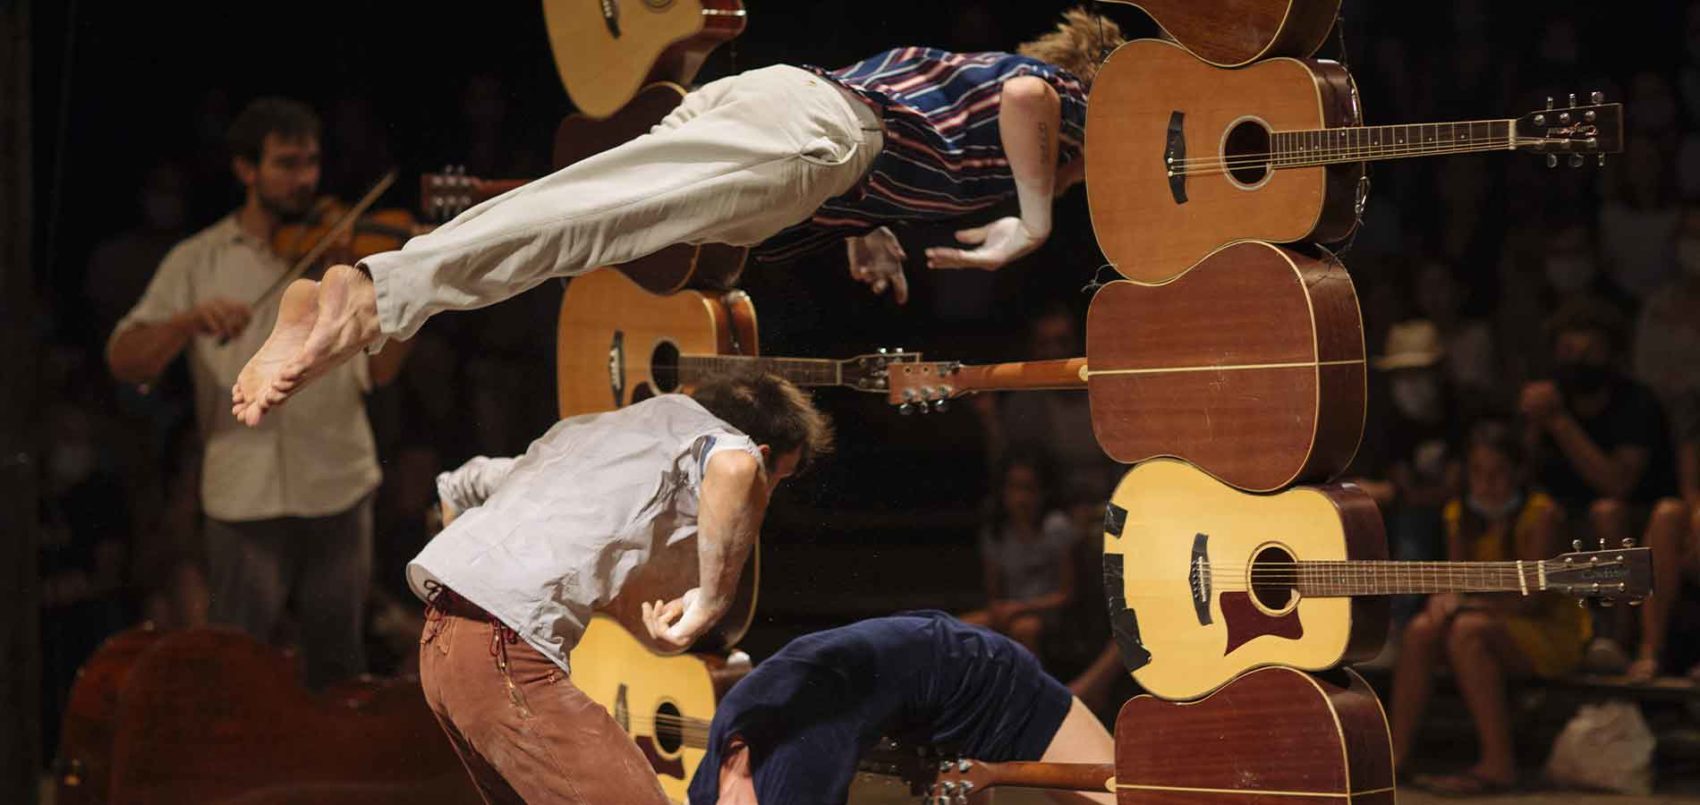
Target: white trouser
[{"x": 737, "y": 161}]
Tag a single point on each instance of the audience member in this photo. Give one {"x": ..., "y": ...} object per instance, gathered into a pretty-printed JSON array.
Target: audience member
[{"x": 1026, "y": 549}]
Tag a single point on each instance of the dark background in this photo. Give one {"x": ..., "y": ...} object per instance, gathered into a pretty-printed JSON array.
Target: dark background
[{"x": 119, "y": 89}]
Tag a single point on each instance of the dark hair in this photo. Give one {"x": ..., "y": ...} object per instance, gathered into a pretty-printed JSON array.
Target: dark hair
[
  {"x": 1498, "y": 435},
  {"x": 1587, "y": 315},
  {"x": 1042, "y": 470},
  {"x": 770, "y": 410},
  {"x": 289, "y": 120}
]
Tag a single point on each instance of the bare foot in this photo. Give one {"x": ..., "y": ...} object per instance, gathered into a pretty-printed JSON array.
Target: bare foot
[
  {"x": 347, "y": 322},
  {"x": 296, "y": 312}
]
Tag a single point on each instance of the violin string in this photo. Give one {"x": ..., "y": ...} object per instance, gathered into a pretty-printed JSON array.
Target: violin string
[{"x": 324, "y": 243}]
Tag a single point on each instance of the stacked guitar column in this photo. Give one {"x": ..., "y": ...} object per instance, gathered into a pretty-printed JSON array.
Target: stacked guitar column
[{"x": 1227, "y": 367}]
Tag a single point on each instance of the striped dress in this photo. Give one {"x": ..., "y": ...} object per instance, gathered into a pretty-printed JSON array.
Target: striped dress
[{"x": 943, "y": 155}]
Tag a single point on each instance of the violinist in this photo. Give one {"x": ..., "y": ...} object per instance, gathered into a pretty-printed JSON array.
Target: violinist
[{"x": 287, "y": 506}]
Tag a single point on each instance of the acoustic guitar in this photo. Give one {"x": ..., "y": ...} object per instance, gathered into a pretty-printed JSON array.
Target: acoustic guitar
[
  {"x": 619, "y": 344},
  {"x": 1204, "y": 581},
  {"x": 665, "y": 703},
  {"x": 1188, "y": 157},
  {"x": 445, "y": 195},
  {"x": 605, "y": 50},
  {"x": 1275, "y": 733},
  {"x": 1250, "y": 366},
  {"x": 1233, "y": 33}
]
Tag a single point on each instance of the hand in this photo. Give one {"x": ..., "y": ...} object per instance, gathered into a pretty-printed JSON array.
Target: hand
[
  {"x": 995, "y": 245},
  {"x": 1541, "y": 401},
  {"x": 221, "y": 318},
  {"x": 877, "y": 259},
  {"x": 1442, "y": 606},
  {"x": 676, "y": 624},
  {"x": 1002, "y": 612}
]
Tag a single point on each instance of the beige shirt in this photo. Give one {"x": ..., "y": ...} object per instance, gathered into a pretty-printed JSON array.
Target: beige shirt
[
  {"x": 310, "y": 458},
  {"x": 599, "y": 502}
]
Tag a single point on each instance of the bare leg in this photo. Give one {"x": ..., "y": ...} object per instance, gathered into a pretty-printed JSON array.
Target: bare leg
[
  {"x": 1081, "y": 739},
  {"x": 737, "y": 783},
  {"x": 1413, "y": 679},
  {"x": 1027, "y": 630},
  {"x": 1666, "y": 529},
  {"x": 1482, "y": 653}
]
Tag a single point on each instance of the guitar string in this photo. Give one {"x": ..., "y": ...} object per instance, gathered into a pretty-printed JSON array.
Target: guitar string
[
  {"x": 1318, "y": 158},
  {"x": 1340, "y": 145}
]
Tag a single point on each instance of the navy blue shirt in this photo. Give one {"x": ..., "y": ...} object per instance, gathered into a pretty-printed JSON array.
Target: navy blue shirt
[
  {"x": 943, "y": 156},
  {"x": 809, "y": 712}
]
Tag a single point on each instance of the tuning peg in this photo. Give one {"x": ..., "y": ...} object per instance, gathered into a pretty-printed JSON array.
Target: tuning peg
[
  {"x": 1635, "y": 602},
  {"x": 1575, "y": 160},
  {"x": 1576, "y": 545},
  {"x": 1572, "y": 99},
  {"x": 1552, "y": 160},
  {"x": 941, "y": 406},
  {"x": 964, "y": 764},
  {"x": 1607, "y": 602},
  {"x": 1596, "y": 97},
  {"x": 1602, "y": 160},
  {"x": 906, "y": 409},
  {"x": 1628, "y": 542},
  {"x": 1563, "y": 118},
  {"x": 1549, "y": 102},
  {"x": 1582, "y": 602}
]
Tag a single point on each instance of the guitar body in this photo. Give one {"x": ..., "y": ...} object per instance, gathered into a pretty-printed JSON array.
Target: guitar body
[
  {"x": 1273, "y": 735},
  {"x": 1250, "y": 365},
  {"x": 579, "y": 137},
  {"x": 211, "y": 714},
  {"x": 1233, "y": 33},
  {"x": 1152, "y": 98},
  {"x": 663, "y": 702},
  {"x": 618, "y": 344},
  {"x": 605, "y": 50},
  {"x": 1178, "y": 549}
]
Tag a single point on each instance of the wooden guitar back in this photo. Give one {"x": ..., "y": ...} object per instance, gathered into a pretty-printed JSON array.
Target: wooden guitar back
[
  {"x": 208, "y": 715},
  {"x": 1232, "y": 33},
  {"x": 1151, "y": 94},
  {"x": 1250, "y": 365},
  {"x": 1274, "y": 735},
  {"x": 580, "y": 137}
]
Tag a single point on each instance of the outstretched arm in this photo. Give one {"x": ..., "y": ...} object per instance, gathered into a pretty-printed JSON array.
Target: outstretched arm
[
  {"x": 734, "y": 500},
  {"x": 470, "y": 484},
  {"x": 1029, "y": 114}
]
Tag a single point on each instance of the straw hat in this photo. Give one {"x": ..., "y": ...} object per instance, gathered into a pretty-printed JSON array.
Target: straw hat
[{"x": 1413, "y": 344}]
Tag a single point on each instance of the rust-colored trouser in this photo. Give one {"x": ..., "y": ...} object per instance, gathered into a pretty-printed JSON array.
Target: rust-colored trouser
[{"x": 524, "y": 731}]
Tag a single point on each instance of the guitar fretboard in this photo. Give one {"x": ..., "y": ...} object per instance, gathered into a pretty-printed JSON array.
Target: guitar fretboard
[
  {"x": 1328, "y": 579},
  {"x": 1292, "y": 149},
  {"x": 801, "y": 371}
]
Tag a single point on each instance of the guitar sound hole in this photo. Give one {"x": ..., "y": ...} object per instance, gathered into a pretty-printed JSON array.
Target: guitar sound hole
[
  {"x": 1246, "y": 149},
  {"x": 1273, "y": 577},
  {"x": 669, "y": 732},
  {"x": 664, "y": 367}
]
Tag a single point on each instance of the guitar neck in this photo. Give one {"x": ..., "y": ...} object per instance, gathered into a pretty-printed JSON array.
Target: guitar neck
[
  {"x": 1298, "y": 149},
  {"x": 1052, "y": 776},
  {"x": 1068, "y": 373},
  {"x": 1349, "y": 578},
  {"x": 801, "y": 371}
]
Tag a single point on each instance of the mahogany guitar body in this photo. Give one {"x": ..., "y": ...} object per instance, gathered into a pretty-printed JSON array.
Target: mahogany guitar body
[
  {"x": 1233, "y": 33},
  {"x": 1250, "y": 366},
  {"x": 580, "y": 137},
  {"x": 1152, "y": 99},
  {"x": 209, "y": 715},
  {"x": 1271, "y": 736}
]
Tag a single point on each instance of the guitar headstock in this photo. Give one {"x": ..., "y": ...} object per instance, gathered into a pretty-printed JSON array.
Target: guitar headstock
[
  {"x": 956, "y": 780},
  {"x": 1608, "y": 575},
  {"x": 1594, "y": 129},
  {"x": 445, "y": 195},
  {"x": 872, "y": 372},
  {"x": 924, "y": 386}
]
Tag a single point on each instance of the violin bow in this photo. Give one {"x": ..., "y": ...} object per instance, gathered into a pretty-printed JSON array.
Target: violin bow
[{"x": 342, "y": 225}]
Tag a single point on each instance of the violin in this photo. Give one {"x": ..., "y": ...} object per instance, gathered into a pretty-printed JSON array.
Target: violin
[{"x": 373, "y": 232}]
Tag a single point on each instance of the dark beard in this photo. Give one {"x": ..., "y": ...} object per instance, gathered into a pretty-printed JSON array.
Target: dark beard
[{"x": 283, "y": 212}]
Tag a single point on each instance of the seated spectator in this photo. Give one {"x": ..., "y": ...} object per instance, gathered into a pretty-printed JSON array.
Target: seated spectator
[
  {"x": 1603, "y": 453},
  {"x": 1485, "y": 638},
  {"x": 1667, "y": 334},
  {"x": 1026, "y": 548}
]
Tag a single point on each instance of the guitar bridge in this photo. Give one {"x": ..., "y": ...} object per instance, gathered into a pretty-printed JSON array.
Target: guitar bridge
[
  {"x": 1198, "y": 576},
  {"x": 611, "y": 17},
  {"x": 617, "y": 368},
  {"x": 1174, "y": 157}
]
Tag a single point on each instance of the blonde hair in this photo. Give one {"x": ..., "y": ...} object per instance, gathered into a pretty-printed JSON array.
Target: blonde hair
[{"x": 1079, "y": 43}]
